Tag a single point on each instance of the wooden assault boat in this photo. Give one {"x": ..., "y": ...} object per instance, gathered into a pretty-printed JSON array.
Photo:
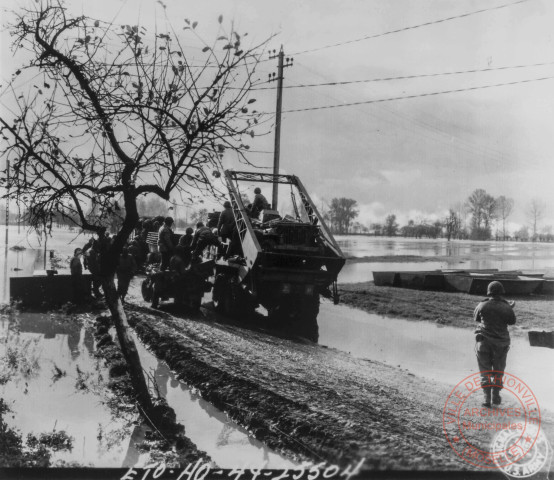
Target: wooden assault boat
[
  {"x": 386, "y": 279},
  {"x": 476, "y": 283}
]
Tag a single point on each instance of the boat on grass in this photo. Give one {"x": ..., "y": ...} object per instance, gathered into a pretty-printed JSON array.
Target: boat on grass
[
  {"x": 515, "y": 282},
  {"x": 386, "y": 279},
  {"x": 476, "y": 283}
]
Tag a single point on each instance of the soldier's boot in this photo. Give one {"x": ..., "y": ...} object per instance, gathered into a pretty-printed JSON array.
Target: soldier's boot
[
  {"x": 487, "y": 397},
  {"x": 496, "y": 400}
]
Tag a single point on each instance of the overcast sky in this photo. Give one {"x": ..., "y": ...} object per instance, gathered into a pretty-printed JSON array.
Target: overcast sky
[{"x": 413, "y": 157}]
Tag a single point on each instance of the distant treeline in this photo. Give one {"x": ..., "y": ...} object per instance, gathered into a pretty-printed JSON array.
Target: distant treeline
[{"x": 480, "y": 217}]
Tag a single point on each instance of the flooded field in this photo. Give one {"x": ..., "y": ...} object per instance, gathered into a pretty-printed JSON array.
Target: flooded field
[
  {"x": 26, "y": 252},
  {"x": 456, "y": 254}
]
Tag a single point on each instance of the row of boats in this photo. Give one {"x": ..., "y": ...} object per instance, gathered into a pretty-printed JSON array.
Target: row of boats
[{"x": 515, "y": 282}]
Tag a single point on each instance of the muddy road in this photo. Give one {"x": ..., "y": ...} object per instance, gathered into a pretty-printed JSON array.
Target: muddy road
[{"x": 310, "y": 401}]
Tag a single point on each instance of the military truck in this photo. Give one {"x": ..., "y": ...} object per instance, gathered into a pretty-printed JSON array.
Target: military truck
[{"x": 283, "y": 263}]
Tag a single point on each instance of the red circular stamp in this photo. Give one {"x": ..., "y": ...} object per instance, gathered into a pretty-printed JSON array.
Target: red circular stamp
[{"x": 471, "y": 428}]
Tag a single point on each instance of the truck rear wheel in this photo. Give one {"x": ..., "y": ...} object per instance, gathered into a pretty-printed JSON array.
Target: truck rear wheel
[
  {"x": 297, "y": 315},
  {"x": 221, "y": 285},
  {"x": 307, "y": 318}
]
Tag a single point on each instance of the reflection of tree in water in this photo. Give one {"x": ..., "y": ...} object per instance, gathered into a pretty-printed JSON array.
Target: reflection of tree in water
[
  {"x": 88, "y": 340},
  {"x": 114, "y": 434},
  {"x": 223, "y": 437},
  {"x": 20, "y": 359},
  {"x": 73, "y": 339},
  {"x": 161, "y": 375},
  {"x": 133, "y": 454}
]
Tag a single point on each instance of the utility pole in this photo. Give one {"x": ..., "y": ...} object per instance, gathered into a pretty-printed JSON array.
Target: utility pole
[
  {"x": 7, "y": 200},
  {"x": 280, "y": 67}
]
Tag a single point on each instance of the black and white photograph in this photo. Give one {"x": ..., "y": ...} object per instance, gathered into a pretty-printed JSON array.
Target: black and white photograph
[{"x": 276, "y": 240}]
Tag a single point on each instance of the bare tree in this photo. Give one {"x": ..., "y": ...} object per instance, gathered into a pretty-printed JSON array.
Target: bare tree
[
  {"x": 535, "y": 213},
  {"x": 453, "y": 224},
  {"x": 391, "y": 226},
  {"x": 504, "y": 208},
  {"x": 109, "y": 113},
  {"x": 342, "y": 212},
  {"x": 482, "y": 207}
]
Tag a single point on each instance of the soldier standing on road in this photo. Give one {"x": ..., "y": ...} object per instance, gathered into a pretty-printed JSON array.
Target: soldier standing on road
[
  {"x": 126, "y": 268},
  {"x": 185, "y": 243},
  {"x": 92, "y": 263},
  {"x": 203, "y": 237},
  {"x": 493, "y": 340},
  {"x": 165, "y": 244}
]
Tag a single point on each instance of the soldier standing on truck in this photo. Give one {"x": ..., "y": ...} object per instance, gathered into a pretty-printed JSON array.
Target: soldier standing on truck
[
  {"x": 260, "y": 203},
  {"x": 226, "y": 223},
  {"x": 165, "y": 244},
  {"x": 493, "y": 340}
]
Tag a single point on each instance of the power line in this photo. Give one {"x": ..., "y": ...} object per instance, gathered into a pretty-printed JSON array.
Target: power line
[
  {"x": 417, "y": 96},
  {"x": 412, "y": 27},
  {"x": 416, "y": 127},
  {"x": 407, "y": 77}
]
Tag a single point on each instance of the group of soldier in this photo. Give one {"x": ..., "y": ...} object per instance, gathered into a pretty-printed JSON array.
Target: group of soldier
[
  {"x": 176, "y": 257},
  {"x": 91, "y": 254}
]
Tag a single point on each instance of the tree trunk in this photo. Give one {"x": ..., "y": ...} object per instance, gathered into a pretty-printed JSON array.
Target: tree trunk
[{"x": 128, "y": 346}]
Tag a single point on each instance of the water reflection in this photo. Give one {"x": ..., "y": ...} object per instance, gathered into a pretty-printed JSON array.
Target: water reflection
[
  {"x": 209, "y": 428},
  {"x": 58, "y": 373}
]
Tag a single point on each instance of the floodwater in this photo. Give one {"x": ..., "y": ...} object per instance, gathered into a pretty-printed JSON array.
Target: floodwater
[
  {"x": 34, "y": 255},
  {"x": 441, "y": 353},
  {"x": 500, "y": 255}
]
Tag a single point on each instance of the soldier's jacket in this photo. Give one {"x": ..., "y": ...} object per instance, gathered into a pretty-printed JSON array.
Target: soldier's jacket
[{"x": 494, "y": 315}]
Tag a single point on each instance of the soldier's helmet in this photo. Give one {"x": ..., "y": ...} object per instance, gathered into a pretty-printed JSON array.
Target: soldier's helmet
[{"x": 495, "y": 288}]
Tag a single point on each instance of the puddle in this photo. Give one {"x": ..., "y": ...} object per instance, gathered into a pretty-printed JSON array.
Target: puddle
[
  {"x": 227, "y": 443},
  {"x": 42, "y": 401},
  {"x": 441, "y": 353}
]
